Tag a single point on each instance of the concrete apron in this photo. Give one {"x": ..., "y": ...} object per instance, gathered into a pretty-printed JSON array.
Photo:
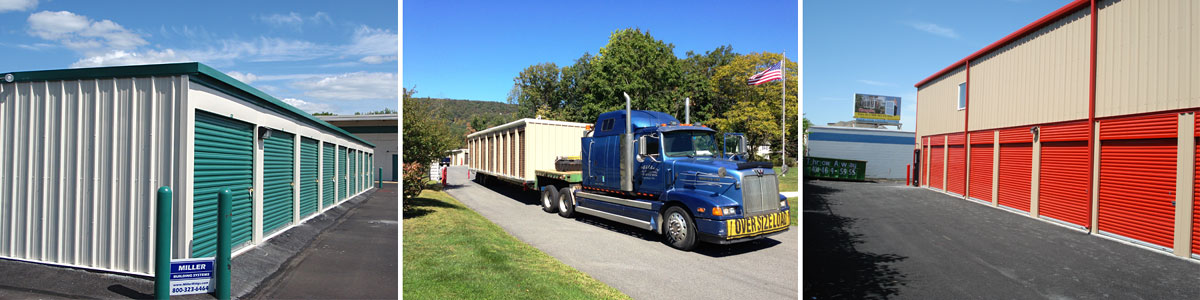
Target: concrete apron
[{"x": 32, "y": 280}]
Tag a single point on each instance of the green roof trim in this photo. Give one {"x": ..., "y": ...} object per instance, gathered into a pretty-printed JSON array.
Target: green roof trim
[{"x": 188, "y": 68}]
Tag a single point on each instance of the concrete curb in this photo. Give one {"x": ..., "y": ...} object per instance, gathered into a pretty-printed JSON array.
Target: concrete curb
[{"x": 252, "y": 268}]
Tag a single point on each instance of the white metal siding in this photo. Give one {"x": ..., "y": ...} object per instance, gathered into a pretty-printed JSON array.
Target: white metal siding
[
  {"x": 883, "y": 160},
  {"x": 80, "y": 163}
]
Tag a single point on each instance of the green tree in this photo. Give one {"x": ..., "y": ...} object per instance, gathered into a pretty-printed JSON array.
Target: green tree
[
  {"x": 574, "y": 88},
  {"x": 535, "y": 92},
  {"x": 426, "y": 136},
  {"x": 697, "y": 70},
  {"x": 324, "y": 113},
  {"x": 633, "y": 62},
  {"x": 755, "y": 110}
]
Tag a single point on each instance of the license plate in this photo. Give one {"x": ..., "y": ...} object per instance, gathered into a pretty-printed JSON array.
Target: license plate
[{"x": 744, "y": 227}]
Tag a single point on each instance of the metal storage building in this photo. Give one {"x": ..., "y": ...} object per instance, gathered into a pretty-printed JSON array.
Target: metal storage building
[
  {"x": 379, "y": 129},
  {"x": 1084, "y": 118},
  {"x": 885, "y": 151},
  {"x": 82, "y": 152},
  {"x": 512, "y": 151}
]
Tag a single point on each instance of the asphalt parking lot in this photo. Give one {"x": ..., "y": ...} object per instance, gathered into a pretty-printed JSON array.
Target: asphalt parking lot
[
  {"x": 886, "y": 240},
  {"x": 635, "y": 261}
]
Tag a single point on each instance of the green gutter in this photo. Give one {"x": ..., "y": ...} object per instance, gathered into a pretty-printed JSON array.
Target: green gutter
[{"x": 189, "y": 68}]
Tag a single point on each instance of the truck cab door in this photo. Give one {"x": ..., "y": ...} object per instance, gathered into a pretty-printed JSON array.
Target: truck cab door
[
  {"x": 734, "y": 147},
  {"x": 651, "y": 175}
]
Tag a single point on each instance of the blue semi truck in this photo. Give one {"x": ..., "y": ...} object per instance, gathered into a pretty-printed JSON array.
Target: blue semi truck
[{"x": 646, "y": 169}]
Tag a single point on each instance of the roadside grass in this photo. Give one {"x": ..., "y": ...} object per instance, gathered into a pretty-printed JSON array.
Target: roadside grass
[
  {"x": 792, "y": 206},
  {"x": 452, "y": 252},
  {"x": 789, "y": 181}
]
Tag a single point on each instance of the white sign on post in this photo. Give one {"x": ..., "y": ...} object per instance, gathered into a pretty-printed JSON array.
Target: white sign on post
[{"x": 191, "y": 276}]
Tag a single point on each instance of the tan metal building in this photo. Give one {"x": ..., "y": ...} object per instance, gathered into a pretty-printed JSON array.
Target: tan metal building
[
  {"x": 1084, "y": 118},
  {"x": 511, "y": 152}
]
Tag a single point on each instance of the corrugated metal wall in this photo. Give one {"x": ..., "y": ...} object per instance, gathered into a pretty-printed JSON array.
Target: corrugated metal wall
[
  {"x": 79, "y": 167},
  {"x": 1147, "y": 56},
  {"x": 938, "y": 106},
  {"x": 1040, "y": 78}
]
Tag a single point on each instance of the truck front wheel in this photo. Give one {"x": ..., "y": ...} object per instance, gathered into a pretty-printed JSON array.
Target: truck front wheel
[
  {"x": 566, "y": 203},
  {"x": 549, "y": 199},
  {"x": 678, "y": 229}
]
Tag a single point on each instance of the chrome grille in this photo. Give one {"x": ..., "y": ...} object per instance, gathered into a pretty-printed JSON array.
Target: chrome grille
[{"x": 760, "y": 194}]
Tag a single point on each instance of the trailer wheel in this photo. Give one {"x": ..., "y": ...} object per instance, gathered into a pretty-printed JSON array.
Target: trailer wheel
[
  {"x": 678, "y": 229},
  {"x": 566, "y": 203},
  {"x": 549, "y": 199}
]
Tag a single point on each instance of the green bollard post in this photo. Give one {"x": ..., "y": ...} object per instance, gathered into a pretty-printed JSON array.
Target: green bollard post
[
  {"x": 379, "y": 178},
  {"x": 224, "y": 222},
  {"x": 162, "y": 245}
]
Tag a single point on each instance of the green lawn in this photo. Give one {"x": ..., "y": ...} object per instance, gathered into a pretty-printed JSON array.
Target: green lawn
[
  {"x": 451, "y": 252},
  {"x": 789, "y": 181},
  {"x": 792, "y": 207}
]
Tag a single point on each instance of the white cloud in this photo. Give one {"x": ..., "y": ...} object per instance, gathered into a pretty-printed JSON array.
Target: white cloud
[
  {"x": 875, "y": 83},
  {"x": 371, "y": 41},
  {"x": 294, "y": 20},
  {"x": 351, "y": 86},
  {"x": 934, "y": 29},
  {"x": 309, "y": 107},
  {"x": 121, "y": 58},
  {"x": 81, "y": 34},
  {"x": 263, "y": 49},
  {"x": 17, "y": 5},
  {"x": 243, "y": 77},
  {"x": 377, "y": 59}
]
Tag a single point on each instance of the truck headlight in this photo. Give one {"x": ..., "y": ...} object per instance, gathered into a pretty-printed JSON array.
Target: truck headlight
[{"x": 724, "y": 211}]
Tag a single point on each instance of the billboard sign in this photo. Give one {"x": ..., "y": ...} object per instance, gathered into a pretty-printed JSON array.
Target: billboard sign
[{"x": 876, "y": 109}]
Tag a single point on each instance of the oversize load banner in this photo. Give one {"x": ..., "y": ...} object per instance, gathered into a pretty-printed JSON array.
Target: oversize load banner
[{"x": 876, "y": 109}]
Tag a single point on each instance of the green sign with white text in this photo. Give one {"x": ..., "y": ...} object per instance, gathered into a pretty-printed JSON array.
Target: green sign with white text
[{"x": 832, "y": 168}]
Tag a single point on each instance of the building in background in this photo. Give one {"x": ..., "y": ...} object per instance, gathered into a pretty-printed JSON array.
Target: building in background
[
  {"x": 381, "y": 130},
  {"x": 1085, "y": 122},
  {"x": 887, "y": 152},
  {"x": 83, "y": 152}
]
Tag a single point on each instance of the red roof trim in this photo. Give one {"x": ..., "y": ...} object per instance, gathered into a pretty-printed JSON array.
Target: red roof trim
[{"x": 1046, "y": 20}]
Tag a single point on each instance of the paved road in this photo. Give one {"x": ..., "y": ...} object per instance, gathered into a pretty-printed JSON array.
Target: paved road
[
  {"x": 634, "y": 261},
  {"x": 354, "y": 259},
  {"x": 873, "y": 240}
]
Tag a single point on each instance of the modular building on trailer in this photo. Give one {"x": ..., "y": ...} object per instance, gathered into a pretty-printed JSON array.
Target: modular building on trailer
[
  {"x": 1084, "y": 118},
  {"x": 511, "y": 152},
  {"x": 82, "y": 152}
]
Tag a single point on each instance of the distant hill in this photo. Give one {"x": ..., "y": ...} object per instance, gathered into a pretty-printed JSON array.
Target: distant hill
[{"x": 468, "y": 116}]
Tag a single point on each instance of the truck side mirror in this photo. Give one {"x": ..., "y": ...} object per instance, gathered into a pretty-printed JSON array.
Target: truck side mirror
[{"x": 641, "y": 145}]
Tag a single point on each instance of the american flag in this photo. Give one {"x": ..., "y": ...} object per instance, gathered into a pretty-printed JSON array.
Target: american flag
[{"x": 772, "y": 73}]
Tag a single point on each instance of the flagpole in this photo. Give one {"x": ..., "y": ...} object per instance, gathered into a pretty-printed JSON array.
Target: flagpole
[{"x": 783, "y": 114}]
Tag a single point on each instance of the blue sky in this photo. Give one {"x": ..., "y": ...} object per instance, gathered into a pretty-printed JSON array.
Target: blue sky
[
  {"x": 337, "y": 56},
  {"x": 473, "y": 49},
  {"x": 884, "y": 47}
]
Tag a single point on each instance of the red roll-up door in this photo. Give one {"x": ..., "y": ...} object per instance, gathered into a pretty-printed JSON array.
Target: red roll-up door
[
  {"x": 956, "y": 171},
  {"x": 1137, "y": 185},
  {"x": 1016, "y": 166},
  {"x": 1196, "y": 202},
  {"x": 935, "y": 167},
  {"x": 1063, "y": 183},
  {"x": 1137, "y": 178},
  {"x": 981, "y": 172}
]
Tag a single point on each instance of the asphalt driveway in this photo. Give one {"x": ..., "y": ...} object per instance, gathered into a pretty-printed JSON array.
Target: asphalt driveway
[
  {"x": 634, "y": 261},
  {"x": 886, "y": 240}
]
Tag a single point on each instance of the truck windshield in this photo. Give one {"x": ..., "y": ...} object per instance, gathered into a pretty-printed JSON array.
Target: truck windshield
[{"x": 689, "y": 143}]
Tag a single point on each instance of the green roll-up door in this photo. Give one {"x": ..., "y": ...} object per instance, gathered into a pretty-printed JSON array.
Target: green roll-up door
[
  {"x": 329, "y": 179},
  {"x": 308, "y": 176},
  {"x": 224, "y": 159},
  {"x": 279, "y": 156},
  {"x": 354, "y": 171},
  {"x": 342, "y": 168}
]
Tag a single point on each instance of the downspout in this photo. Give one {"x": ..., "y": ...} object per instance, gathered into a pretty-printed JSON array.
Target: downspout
[{"x": 1092, "y": 116}]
